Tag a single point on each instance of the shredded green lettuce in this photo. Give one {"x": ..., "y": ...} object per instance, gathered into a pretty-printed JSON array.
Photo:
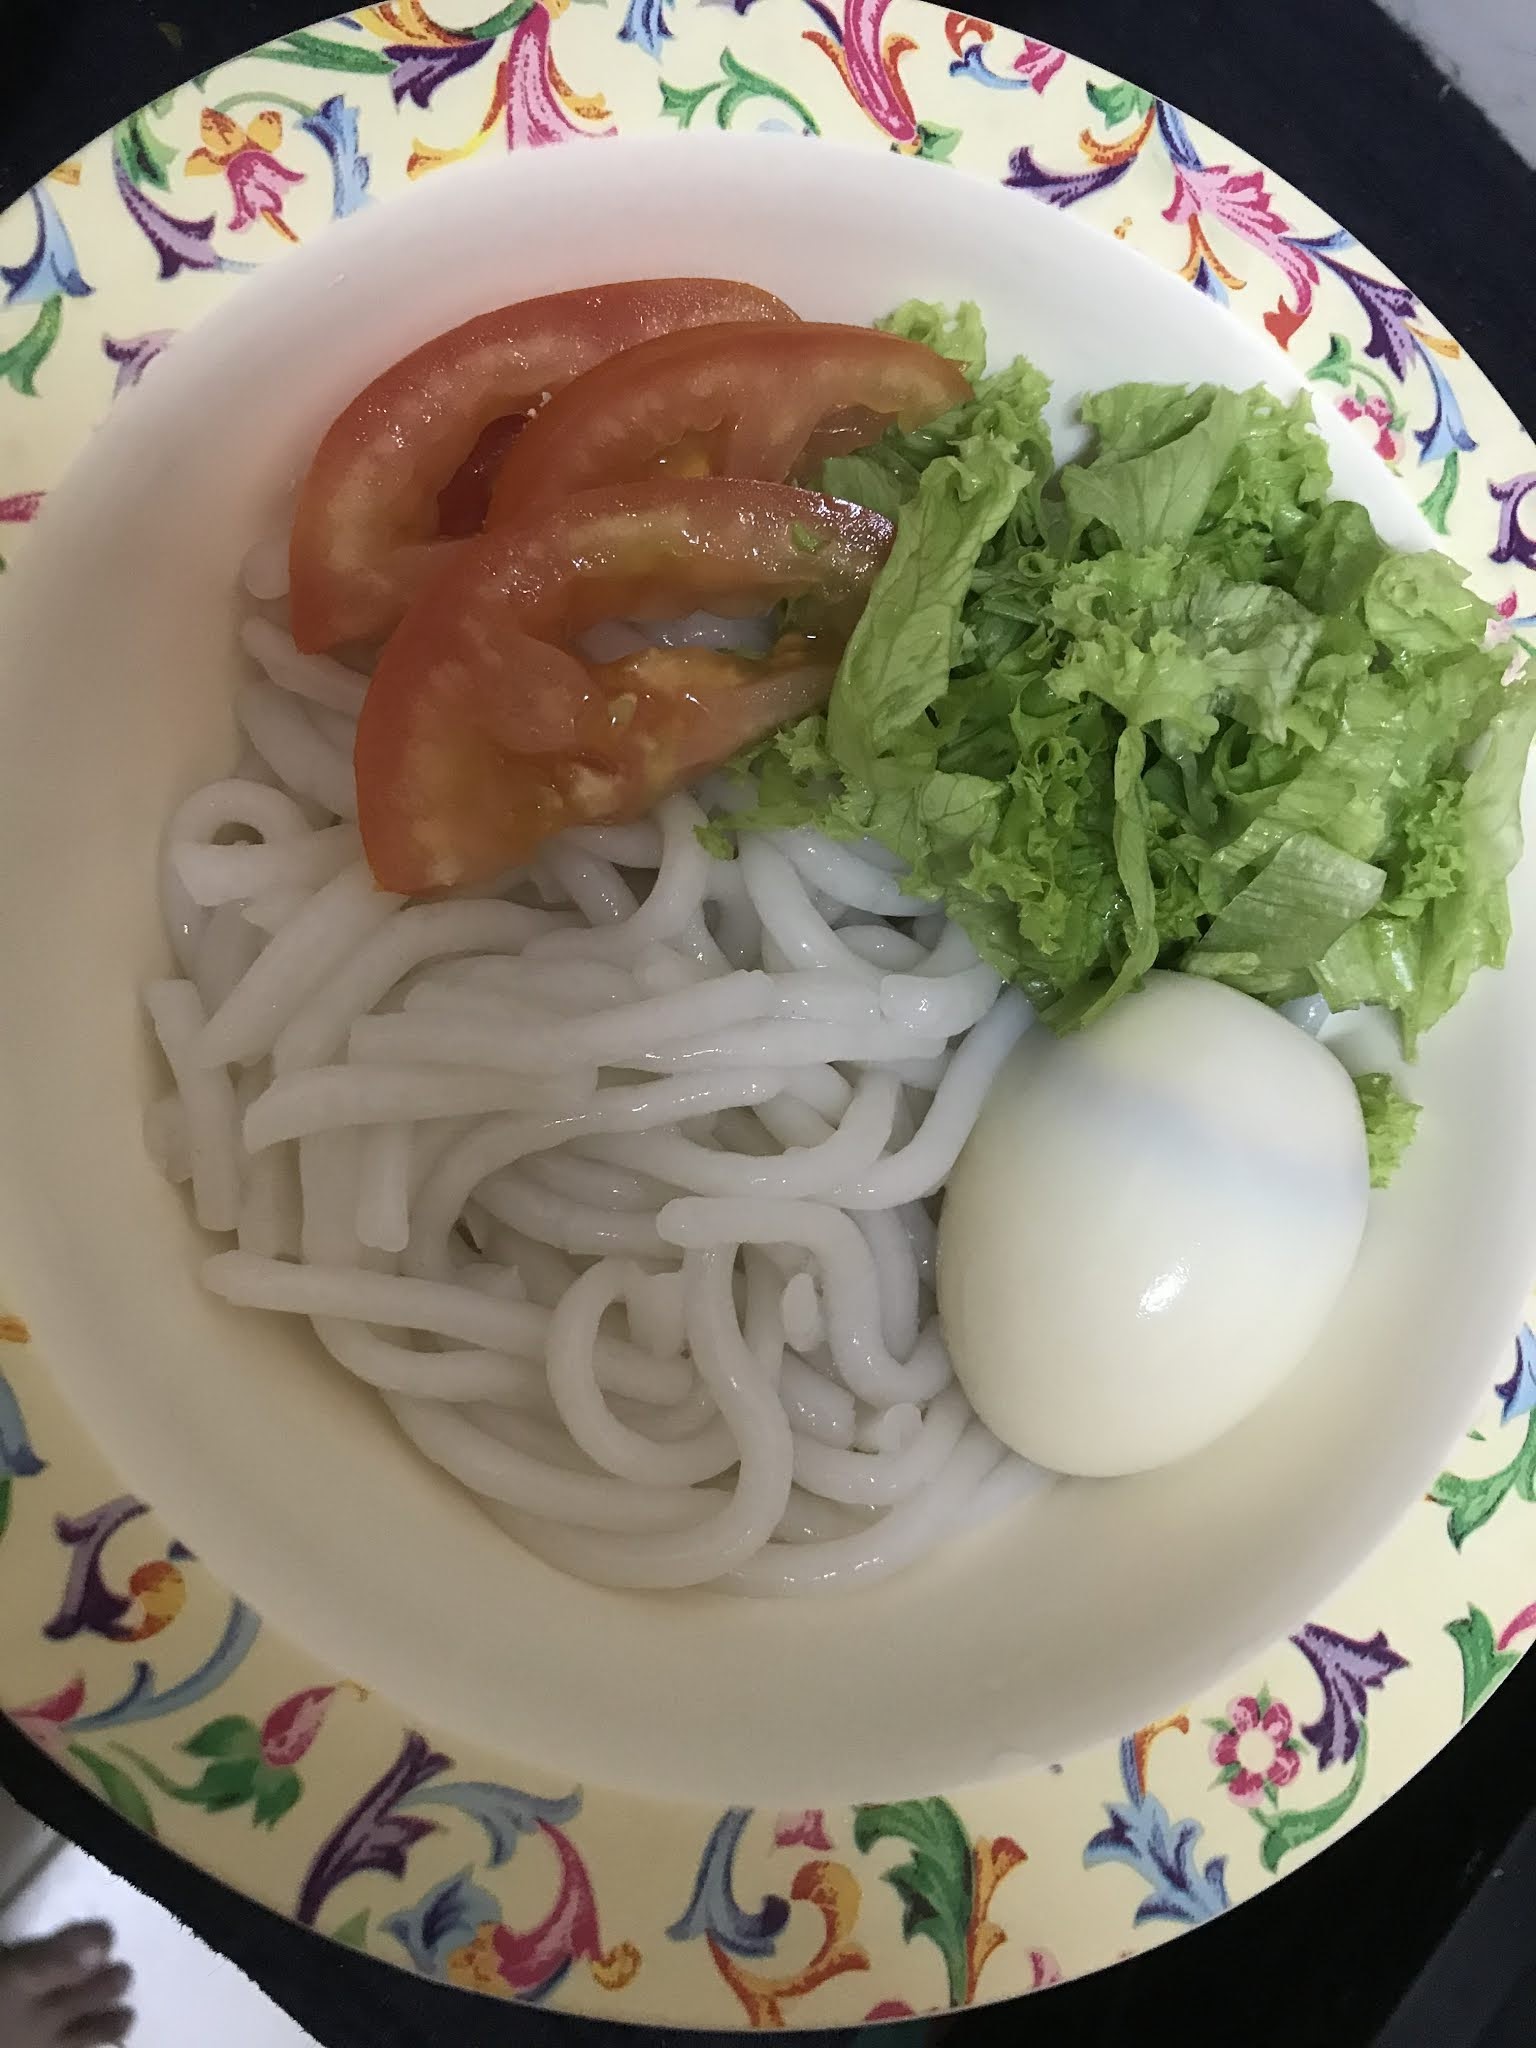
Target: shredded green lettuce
[
  {"x": 1170, "y": 705},
  {"x": 1390, "y": 1122}
]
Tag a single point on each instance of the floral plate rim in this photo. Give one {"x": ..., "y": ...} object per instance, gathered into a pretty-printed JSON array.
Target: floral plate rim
[{"x": 291, "y": 1783}]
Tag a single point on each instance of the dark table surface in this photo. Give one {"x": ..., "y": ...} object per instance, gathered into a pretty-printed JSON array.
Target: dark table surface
[{"x": 1415, "y": 1929}]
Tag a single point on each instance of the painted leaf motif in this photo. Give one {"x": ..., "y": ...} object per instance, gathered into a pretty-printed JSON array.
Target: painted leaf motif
[
  {"x": 937, "y": 145},
  {"x": 5, "y": 1505},
  {"x": 178, "y": 244},
  {"x": 373, "y": 1835},
  {"x": 1338, "y": 366},
  {"x": 498, "y": 23},
  {"x": 53, "y": 267},
  {"x": 714, "y": 1911},
  {"x": 353, "y": 1933},
  {"x": 1288, "y": 1831},
  {"x": 936, "y": 1883},
  {"x": 223, "y": 1785},
  {"x": 680, "y": 103},
  {"x": 117, "y": 1787},
  {"x": 1161, "y": 1851},
  {"x": 320, "y": 53},
  {"x": 143, "y": 1702},
  {"x": 1517, "y": 1394},
  {"x": 505, "y": 1814},
  {"x": 1119, "y": 102},
  {"x": 273, "y": 1793},
  {"x": 1348, "y": 1668},
  {"x": 1472, "y": 1502},
  {"x": 18, "y": 1460},
  {"x": 1436, "y": 504},
  {"x": 231, "y": 1736},
  {"x": 20, "y": 363},
  {"x": 144, "y": 157},
  {"x": 134, "y": 354},
  {"x": 445, "y": 1918},
  {"x": 1483, "y": 1663}
]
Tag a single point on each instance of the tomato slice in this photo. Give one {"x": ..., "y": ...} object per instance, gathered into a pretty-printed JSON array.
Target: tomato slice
[
  {"x": 484, "y": 730},
  {"x": 367, "y": 523},
  {"x": 731, "y": 400},
  {"x": 465, "y": 499}
]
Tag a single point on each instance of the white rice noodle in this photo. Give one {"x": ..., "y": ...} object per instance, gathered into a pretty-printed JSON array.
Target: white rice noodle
[
  {"x": 287, "y": 739},
  {"x": 614, "y": 1180}
]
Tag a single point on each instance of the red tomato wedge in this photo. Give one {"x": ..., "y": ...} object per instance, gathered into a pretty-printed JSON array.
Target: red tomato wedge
[
  {"x": 732, "y": 400},
  {"x": 465, "y": 499},
  {"x": 366, "y": 529},
  {"x": 484, "y": 731}
]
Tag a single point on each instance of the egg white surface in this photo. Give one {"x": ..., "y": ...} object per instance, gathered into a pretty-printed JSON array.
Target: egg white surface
[{"x": 1149, "y": 1226}]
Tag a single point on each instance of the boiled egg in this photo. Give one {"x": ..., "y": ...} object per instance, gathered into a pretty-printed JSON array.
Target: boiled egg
[{"x": 1149, "y": 1226}]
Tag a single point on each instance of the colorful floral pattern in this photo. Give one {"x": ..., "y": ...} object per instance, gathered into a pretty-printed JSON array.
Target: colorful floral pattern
[
  {"x": 1254, "y": 1749},
  {"x": 129, "y": 1663}
]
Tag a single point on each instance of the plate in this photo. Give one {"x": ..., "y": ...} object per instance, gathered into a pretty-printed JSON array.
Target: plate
[{"x": 446, "y": 1816}]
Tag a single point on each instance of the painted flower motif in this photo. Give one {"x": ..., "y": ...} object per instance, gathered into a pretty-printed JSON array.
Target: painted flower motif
[
  {"x": 540, "y": 105},
  {"x": 805, "y": 1829},
  {"x": 1376, "y": 409},
  {"x": 245, "y": 157},
  {"x": 1240, "y": 202},
  {"x": 531, "y": 101},
  {"x": 1256, "y": 1750},
  {"x": 1039, "y": 62},
  {"x": 45, "y": 1720},
  {"x": 19, "y": 510},
  {"x": 290, "y": 1729},
  {"x": 161, "y": 1593},
  {"x": 1033, "y": 68},
  {"x": 869, "y": 63},
  {"x": 89, "y": 1605},
  {"x": 1506, "y": 622},
  {"x": 156, "y": 1593}
]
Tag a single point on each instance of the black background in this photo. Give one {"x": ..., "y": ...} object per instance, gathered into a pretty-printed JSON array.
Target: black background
[{"x": 1352, "y": 112}]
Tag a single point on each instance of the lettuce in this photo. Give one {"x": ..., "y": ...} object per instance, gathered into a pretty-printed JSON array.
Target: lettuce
[
  {"x": 1171, "y": 706},
  {"x": 1390, "y": 1122}
]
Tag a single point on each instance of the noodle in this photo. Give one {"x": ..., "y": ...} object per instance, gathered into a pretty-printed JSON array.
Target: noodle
[{"x": 612, "y": 1180}]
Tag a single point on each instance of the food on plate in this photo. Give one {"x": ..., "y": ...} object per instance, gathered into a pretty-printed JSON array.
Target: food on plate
[
  {"x": 745, "y": 401},
  {"x": 367, "y": 527},
  {"x": 1149, "y": 1226},
  {"x": 1177, "y": 709},
  {"x": 485, "y": 731},
  {"x": 1390, "y": 1122},
  {"x": 583, "y": 1001}
]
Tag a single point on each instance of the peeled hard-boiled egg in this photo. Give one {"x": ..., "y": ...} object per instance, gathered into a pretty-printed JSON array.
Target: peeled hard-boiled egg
[{"x": 1149, "y": 1226}]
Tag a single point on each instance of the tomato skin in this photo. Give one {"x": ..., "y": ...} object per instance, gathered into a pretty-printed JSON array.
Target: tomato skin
[
  {"x": 484, "y": 731},
  {"x": 730, "y": 400},
  {"x": 365, "y": 533}
]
